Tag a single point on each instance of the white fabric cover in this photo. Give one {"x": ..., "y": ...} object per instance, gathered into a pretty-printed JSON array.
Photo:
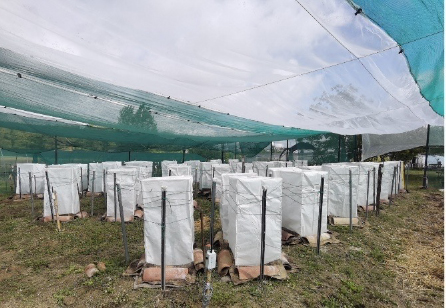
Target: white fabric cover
[
  {"x": 63, "y": 181},
  {"x": 244, "y": 214},
  {"x": 260, "y": 167},
  {"x": 98, "y": 177},
  {"x": 141, "y": 174},
  {"x": 320, "y": 66},
  {"x": 339, "y": 189},
  {"x": 37, "y": 171},
  {"x": 77, "y": 170},
  {"x": 300, "y": 199},
  {"x": 233, "y": 164},
  {"x": 224, "y": 200},
  {"x": 205, "y": 175},
  {"x": 218, "y": 170},
  {"x": 248, "y": 167},
  {"x": 178, "y": 170},
  {"x": 165, "y": 166},
  {"x": 300, "y": 163},
  {"x": 148, "y": 165},
  {"x": 364, "y": 168},
  {"x": 386, "y": 186},
  {"x": 127, "y": 179},
  {"x": 215, "y": 161},
  {"x": 195, "y": 169},
  {"x": 179, "y": 219}
]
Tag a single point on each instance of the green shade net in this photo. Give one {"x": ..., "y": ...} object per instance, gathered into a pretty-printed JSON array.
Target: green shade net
[
  {"x": 418, "y": 27},
  {"x": 122, "y": 119}
]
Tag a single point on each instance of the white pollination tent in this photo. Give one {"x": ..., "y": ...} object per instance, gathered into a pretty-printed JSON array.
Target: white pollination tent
[
  {"x": 389, "y": 170},
  {"x": 142, "y": 172},
  {"x": 260, "y": 167},
  {"x": 77, "y": 170},
  {"x": 127, "y": 179},
  {"x": 148, "y": 165},
  {"x": 98, "y": 177},
  {"x": 233, "y": 164},
  {"x": 165, "y": 166},
  {"x": 217, "y": 171},
  {"x": 37, "y": 178},
  {"x": 63, "y": 181},
  {"x": 248, "y": 168},
  {"x": 179, "y": 170},
  {"x": 339, "y": 189},
  {"x": 364, "y": 169},
  {"x": 224, "y": 200},
  {"x": 195, "y": 169},
  {"x": 179, "y": 229},
  {"x": 216, "y": 161},
  {"x": 205, "y": 175},
  {"x": 300, "y": 163},
  {"x": 300, "y": 199},
  {"x": 244, "y": 217}
]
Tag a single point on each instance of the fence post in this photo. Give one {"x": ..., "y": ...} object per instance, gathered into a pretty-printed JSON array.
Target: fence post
[
  {"x": 378, "y": 190},
  {"x": 104, "y": 187},
  {"x": 351, "y": 198},
  {"x": 393, "y": 184},
  {"x": 367, "y": 198},
  {"x": 20, "y": 183},
  {"x": 163, "y": 238},
  {"x": 319, "y": 221},
  {"x": 31, "y": 194},
  {"x": 124, "y": 231},
  {"x": 50, "y": 195},
  {"x": 374, "y": 189},
  {"x": 262, "y": 239},
  {"x": 114, "y": 195},
  {"x": 92, "y": 192},
  {"x": 425, "y": 181}
]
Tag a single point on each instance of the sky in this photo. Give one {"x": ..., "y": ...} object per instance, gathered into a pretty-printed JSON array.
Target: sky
[{"x": 306, "y": 64}]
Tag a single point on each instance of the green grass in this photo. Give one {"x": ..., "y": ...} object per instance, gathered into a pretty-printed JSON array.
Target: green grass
[{"x": 370, "y": 267}]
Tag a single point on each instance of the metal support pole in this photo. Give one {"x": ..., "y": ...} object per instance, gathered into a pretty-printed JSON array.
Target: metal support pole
[
  {"x": 367, "y": 198},
  {"x": 92, "y": 192},
  {"x": 211, "y": 227},
  {"x": 20, "y": 183},
  {"x": 406, "y": 172},
  {"x": 393, "y": 184},
  {"x": 31, "y": 193},
  {"x": 222, "y": 154},
  {"x": 271, "y": 153},
  {"x": 50, "y": 195},
  {"x": 266, "y": 171},
  {"x": 104, "y": 188},
  {"x": 14, "y": 178},
  {"x": 196, "y": 182},
  {"x": 35, "y": 185},
  {"x": 130, "y": 156},
  {"x": 351, "y": 198},
  {"x": 262, "y": 238},
  {"x": 243, "y": 167},
  {"x": 319, "y": 220},
  {"x": 163, "y": 238},
  {"x": 374, "y": 189},
  {"x": 287, "y": 151},
  {"x": 425, "y": 181},
  {"x": 124, "y": 231},
  {"x": 378, "y": 190},
  {"x": 184, "y": 156},
  {"x": 82, "y": 184},
  {"x": 114, "y": 194},
  {"x": 400, "y": 169}
]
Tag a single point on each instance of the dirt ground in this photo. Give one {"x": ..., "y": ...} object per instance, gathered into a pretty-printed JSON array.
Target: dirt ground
[{"x": 396, "y": 259}]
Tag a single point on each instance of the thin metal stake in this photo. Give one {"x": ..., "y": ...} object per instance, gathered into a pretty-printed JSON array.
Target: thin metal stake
[
  {"x": 406, "y": 171},
  {"x": 262, "y": 238},
  {"x": 378, "y": 190},
  {"x": 50, "y": 195},
  {"x": 114, "y": 194},
  {"x": 82, "y": 184},
  {"x": 243, "y": 167},
  {"x": 374, "y": 189},
  {"x": 35, "y": 185},
  {"x": 391, "y": 188},
  {"x": 319, "y": 220},
  {"x": 367, "y": 198},
  {"x": 31, "y": 193},
  {"x": 351, "y": 198},
  {"x": 104, "y": 187},
  {"x": 124, "y": 232},
  {"x": 214, "y": 186},
  {"x": 163, "y": 238},
  {"x": 92, "y": 192},
  {"x": 20, "y": 183}
]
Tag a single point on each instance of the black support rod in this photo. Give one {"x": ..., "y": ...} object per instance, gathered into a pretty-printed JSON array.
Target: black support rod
[
  {"x": 262, "y": 239},
  {"x": 425, "y": 160},
  {"x": 319, "y": 220},
  {"x": 163, "y": 238}
]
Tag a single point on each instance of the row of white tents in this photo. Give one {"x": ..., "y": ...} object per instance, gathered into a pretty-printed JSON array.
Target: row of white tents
[{"x": 292, "y": 198}]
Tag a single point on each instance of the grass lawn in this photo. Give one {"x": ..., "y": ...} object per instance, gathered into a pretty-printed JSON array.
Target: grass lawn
[{"x": 395, "y": 260}]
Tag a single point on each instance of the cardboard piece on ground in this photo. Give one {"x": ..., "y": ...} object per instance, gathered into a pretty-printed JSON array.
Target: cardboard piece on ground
[
  {"x": 343, "y": 221},
  {"x": 325, "y": 239},
  {"x": 198, "y": 259},
  {"x": 290, "y": 238},
  {"x": 243, "y": 274},
  {"x": 224, "y": 261}
]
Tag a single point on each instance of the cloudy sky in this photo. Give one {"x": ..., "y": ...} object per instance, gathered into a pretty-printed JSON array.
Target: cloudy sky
[{"x": 301, "y": 63}]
